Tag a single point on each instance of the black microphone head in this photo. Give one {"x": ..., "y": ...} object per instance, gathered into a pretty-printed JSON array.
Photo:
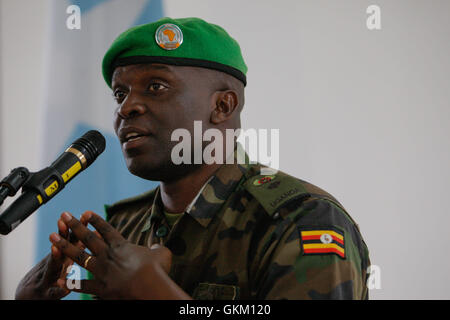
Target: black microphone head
[
  {"x": 91, "y": 144},
  {"x": 97, "y": 140}
]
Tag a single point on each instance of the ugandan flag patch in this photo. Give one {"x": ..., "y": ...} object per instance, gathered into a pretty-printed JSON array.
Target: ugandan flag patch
[{"x": 327, "y": 240}]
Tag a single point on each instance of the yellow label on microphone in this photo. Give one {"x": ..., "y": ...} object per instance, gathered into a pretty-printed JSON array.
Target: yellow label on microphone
[
  {"x": 40, "y": 199},
  {"x": 52, "y": 188},
  {"x": 73, "y": 170}
]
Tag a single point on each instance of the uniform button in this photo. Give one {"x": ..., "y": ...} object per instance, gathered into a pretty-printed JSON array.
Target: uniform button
[{"x": 162, "y": 231}]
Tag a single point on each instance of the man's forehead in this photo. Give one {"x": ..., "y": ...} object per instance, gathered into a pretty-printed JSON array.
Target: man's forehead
[
  {"x": 178, "y": 72},
  {"x": 122, "y": 71},
  {"x": 143, "y": 67}
]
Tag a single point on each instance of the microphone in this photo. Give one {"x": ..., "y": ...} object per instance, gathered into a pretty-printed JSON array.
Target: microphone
[{"x": 42, "y": 186}]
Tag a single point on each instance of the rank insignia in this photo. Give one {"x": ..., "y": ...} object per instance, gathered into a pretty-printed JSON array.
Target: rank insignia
[
  {"x": 264, "y": 180},
  {"x": 322, "y": 241},
  {"x": 169, "y": 36}
]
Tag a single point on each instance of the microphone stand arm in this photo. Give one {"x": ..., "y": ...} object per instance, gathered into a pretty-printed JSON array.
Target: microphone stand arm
[{"x": 13, "y": 182}]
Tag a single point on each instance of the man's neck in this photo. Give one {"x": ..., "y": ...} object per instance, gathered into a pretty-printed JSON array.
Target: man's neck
[{"x": 177, "y": 195}]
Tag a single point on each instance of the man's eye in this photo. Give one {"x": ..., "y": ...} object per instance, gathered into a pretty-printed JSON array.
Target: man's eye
[
  {"x": 156, "y": 87},
  {"x": 119, "y": 95}
]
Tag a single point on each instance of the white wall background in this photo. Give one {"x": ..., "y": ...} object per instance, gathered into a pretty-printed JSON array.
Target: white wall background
[
  {"x": 23, "y": 29},
  {"x": 363, "y": 114}
]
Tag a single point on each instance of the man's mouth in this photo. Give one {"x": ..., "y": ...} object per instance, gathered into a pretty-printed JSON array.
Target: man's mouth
[
  {"x": 128, "y": 134},
  {"x": 133, "y": 141},
  {"x": 133, "y": 136}
]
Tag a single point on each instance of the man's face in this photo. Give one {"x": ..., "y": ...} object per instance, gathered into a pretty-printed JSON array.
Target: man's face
[{"x": 152, "y": 101}]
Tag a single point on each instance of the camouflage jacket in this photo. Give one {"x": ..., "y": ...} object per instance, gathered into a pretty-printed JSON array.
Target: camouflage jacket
[{"x": 249, "y": 236}]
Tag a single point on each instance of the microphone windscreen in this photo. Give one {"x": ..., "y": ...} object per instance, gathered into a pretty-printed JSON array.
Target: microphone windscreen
[{"x": 91, "y": 144}]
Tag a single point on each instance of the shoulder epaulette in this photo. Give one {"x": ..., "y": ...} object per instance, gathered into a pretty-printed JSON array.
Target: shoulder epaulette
[
  {"x": 275, "y": 191},
  {"x": 110, "y": 210}
]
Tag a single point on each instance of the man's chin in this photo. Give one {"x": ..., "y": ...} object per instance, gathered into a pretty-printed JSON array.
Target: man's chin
[
  {"x": 165, "y": 171},
  {"x": 144, "y": 170}
]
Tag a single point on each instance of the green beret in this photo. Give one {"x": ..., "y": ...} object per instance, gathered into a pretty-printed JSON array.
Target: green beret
[{"x": 181, "y": 42}]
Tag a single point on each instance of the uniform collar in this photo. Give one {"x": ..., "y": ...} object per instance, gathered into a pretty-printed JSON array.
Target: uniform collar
[
  {"x": 215, "y": 193},
  {"x": 211, "y": 196}
]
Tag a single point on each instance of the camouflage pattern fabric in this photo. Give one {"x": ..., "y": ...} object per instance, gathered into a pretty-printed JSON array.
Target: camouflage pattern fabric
[{"x": 249, "y": 236}]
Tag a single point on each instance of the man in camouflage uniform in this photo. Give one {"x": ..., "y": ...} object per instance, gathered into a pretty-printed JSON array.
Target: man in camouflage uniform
[
  {"x": 230, "y": 232},
  {"x": 242, "y": 238}
]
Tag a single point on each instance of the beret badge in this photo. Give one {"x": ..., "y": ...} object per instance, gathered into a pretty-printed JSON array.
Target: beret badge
[{"x": 169, "y": 36}]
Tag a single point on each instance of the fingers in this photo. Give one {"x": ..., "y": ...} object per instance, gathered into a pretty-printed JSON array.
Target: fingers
[
  {"x": 75, "y": 253},
  {"x": 56, "y": 254},
  {"x": 105, "y": 230},
  {"x": 83, "y": 234},
  {"x": 55, "y": 265},
  {"x": 58, "y": 262},
  {"x": 63, "y": 230}
]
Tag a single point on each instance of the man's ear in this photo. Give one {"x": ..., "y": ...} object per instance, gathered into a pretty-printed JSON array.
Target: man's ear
[{"x": 225, "y": 103}]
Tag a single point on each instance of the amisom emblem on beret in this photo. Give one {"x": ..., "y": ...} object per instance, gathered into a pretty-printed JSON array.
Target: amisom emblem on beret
[{"x": 169, "y": 36}]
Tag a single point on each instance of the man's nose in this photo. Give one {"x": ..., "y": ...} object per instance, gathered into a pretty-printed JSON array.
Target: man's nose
[{"x": 131, "y": 107}]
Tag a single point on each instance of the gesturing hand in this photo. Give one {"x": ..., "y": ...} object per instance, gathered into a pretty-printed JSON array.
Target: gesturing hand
[
  {"x": 121, "y": 269},
  {"x": 47, "y": 279}
]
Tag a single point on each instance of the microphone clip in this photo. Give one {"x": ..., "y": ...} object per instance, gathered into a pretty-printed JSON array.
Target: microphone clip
[
  {"x": 45, "y": 183},
  {"x": 13, "y": 182}
]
